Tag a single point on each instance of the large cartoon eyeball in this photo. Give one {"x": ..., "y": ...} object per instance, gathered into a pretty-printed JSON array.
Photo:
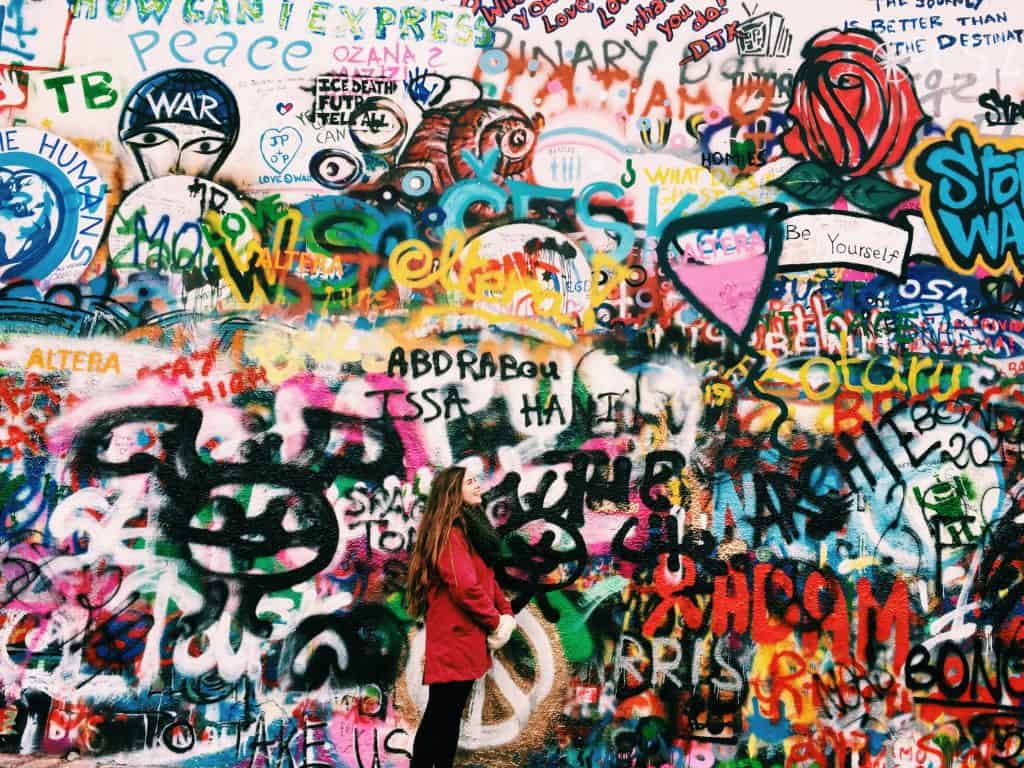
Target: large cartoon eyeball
[
  {"x": 335, "y": 168},
  {"x": 377, "y": 125},
  {"x": 516, "y": 139}
]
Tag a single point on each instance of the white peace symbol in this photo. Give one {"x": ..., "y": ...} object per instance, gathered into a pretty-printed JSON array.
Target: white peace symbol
[{"x": 476, "y": 734}]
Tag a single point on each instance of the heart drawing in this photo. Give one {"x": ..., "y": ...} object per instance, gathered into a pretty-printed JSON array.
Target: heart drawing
[
  {"x": 279, "y": 147},
  {"x": 723, "y": 263},
  {"x": 283, "y": 108}
]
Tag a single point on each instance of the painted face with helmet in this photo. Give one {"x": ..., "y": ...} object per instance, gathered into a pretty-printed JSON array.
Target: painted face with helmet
[{"x": 180, "y": 121}]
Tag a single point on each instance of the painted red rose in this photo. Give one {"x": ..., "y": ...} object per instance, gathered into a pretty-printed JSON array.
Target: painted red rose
[{"x": 851, "y": 112}]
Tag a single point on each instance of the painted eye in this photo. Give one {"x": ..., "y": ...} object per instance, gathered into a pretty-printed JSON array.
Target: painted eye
[
  {"x": 518, "y": 138},
  {"x": 148, "y": 139},
  {"x": 335, "y": 168},
  {"x": 208, "y": 145},
  {"x": 517, "y": 142}
]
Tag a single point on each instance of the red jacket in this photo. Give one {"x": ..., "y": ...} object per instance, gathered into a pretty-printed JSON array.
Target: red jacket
[{"x": 463, "y": 606}]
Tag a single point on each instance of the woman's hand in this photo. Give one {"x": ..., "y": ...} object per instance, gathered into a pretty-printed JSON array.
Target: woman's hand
[{"x": 500, "y": 636}]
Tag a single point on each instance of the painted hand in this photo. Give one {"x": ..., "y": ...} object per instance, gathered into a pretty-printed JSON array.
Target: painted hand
[{"x": 11, "y": 94}]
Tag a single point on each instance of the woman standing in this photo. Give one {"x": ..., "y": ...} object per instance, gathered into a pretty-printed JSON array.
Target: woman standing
[{"x": 466, "y": 611}]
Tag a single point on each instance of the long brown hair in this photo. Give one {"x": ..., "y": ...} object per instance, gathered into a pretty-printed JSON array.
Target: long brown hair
[{"x": 444, "y": 506}]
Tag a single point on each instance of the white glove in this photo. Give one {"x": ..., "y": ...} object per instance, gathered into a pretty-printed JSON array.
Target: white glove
[{"x": 500, "y": 636}]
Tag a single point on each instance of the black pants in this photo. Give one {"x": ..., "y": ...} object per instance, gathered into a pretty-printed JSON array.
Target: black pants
[{"x": 438, "y": 734}]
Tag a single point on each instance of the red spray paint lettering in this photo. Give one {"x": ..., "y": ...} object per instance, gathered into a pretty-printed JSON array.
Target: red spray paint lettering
[{"x": 700, "y": 18}]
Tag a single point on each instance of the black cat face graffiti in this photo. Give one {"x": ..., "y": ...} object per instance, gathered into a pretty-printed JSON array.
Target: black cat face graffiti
[{"x": 257, "y": 525}]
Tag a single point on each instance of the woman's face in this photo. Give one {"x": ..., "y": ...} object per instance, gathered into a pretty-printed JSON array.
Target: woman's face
[{"x": 471, "y": 491}]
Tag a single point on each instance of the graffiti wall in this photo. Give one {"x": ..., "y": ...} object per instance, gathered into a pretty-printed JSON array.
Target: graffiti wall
[{"x": 721, "y": 301}]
